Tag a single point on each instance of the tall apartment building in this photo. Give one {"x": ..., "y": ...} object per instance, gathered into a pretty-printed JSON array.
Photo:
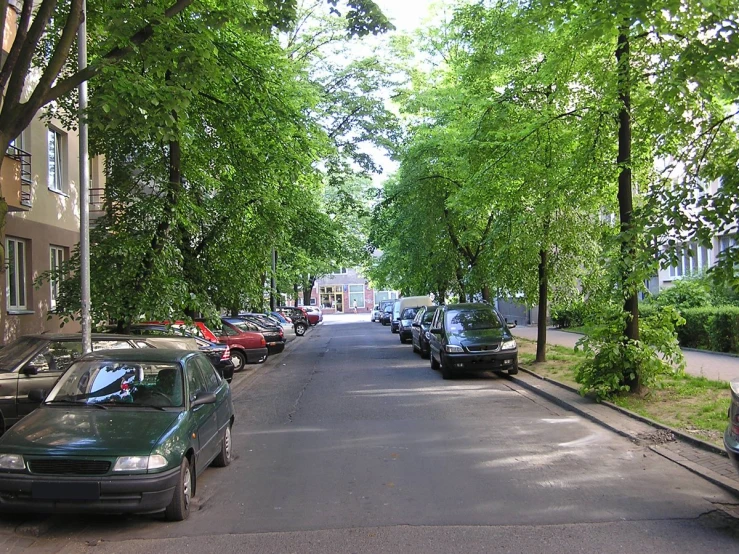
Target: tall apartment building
[{"x": 40, "y": 176}]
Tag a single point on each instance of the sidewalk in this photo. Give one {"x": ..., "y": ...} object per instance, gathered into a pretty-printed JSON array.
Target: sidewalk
[
  {"x": 718, "y": 367},
  {"x": 708, "y": 462}
]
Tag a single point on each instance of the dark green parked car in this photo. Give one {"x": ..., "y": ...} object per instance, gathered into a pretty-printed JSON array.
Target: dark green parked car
[{"x": 121, "y": 431}]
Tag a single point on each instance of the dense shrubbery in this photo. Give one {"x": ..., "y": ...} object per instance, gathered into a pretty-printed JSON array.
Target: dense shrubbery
[
  {"x": 713, "y": 328},
  {"x": 570, "y": 314},
  {"x": 686, "y": 293},
  {"x": 611, "y": 357}
]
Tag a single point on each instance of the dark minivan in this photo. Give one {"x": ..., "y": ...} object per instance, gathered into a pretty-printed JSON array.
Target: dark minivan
[{"x": 471, "y": 337}]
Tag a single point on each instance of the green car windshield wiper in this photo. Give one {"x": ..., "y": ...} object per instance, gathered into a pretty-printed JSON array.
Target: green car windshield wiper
[{"x": 76, "y": 403}]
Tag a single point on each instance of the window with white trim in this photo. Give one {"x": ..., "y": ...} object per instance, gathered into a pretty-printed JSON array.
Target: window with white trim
[
  {"x": 56, "y": 153},
  {"x": 692, "y": 259},
  {"x": 15, "y": 252},
  {"x": 356, "y": 294},
  {"x": 56, "y": 257}
]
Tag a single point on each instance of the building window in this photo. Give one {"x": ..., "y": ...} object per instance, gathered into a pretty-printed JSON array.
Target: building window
[
  {"x": 725, "y": 242},
  {"x": 332, "y": 297},
  {"x": 692, "y": 259},
  {"x": 339, "y": 271},
  {"x": 356, "y": 294},
  {"x": 56, "y": 257},
  {"x": 56, "y": 161},
  {"x": 15, "y": 250}
]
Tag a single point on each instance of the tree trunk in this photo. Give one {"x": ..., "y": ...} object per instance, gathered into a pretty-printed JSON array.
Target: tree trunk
[
  {"x": 541, "y": 334},
  {"x": 462, "y": 292},
  {"x": 486, "y": 293},
  {"x": 296, "y": 294},
  {"x": 625, "y": 200},
  {"x": 307, "y": 290}
]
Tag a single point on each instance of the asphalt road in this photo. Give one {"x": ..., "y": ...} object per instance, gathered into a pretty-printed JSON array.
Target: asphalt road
[{"x": 352, "y": 444}]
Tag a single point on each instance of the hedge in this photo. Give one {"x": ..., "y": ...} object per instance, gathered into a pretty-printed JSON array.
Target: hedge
[{"x": 712, "y": 328}]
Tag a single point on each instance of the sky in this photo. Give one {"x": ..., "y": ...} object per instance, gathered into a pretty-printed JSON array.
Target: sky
[{"x": 407, "y": 16}]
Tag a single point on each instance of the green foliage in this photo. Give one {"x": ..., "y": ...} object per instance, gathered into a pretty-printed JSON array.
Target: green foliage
[
  {"x": 612, "y": 358},
  {"x": 571, "y": 314},
  {"x": 685, "y": 293},
  {"x": 711, "y": 328}
]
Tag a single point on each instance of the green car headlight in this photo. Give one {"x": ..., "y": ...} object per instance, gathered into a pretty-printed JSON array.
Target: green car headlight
[
  {"x": 140, "y": 463},
  {"x": 12, "y": 462},
  {"x": 453, "y": 348},
  {"x": 508, "y": 345}
]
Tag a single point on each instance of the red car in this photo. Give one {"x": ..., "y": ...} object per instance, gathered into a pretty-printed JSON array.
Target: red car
[
  {"x": 247, "y": 347},
  {"x": 314, "y": 315}
]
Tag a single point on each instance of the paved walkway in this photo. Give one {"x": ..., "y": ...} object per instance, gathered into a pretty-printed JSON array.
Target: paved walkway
[{"x": 719, "y": 367}]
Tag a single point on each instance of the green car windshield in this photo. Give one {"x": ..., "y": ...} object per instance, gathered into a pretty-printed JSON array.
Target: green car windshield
[{"x": 118, "y": 383}]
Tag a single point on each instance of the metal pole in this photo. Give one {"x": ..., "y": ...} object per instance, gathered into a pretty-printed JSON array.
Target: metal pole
[
  {"x": 84, "y": 189},
  {"x": 272, "y": 282}
]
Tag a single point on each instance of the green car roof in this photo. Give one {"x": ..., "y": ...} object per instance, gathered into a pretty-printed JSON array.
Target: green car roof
[{"x": 156, "y": 355}]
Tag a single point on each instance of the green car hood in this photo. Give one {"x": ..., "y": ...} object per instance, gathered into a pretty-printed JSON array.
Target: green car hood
[{"x": 79, "y": 431}]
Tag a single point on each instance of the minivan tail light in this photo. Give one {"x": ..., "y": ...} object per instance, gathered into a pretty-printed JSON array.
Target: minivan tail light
[{"x": 264, "y": 342}]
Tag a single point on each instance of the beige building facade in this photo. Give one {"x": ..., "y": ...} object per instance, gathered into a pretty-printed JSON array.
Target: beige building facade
[{"x": 40, "y": 178}]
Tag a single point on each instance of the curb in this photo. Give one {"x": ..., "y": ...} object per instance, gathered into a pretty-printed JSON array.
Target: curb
[
  {"x": 566, "y": 405},
  {"x": 693, "y": 441},
  {"x": 702, "y": 471}
]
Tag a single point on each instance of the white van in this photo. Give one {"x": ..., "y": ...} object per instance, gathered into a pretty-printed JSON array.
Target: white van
[{"x": 407, "y": 302}]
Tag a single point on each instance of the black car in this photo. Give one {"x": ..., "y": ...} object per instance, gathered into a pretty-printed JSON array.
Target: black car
[
  {"x": 218, "y": 354},
  {"x": 297, "y": 316},
  {"x": 37, "y": 361},
  {"x": 405, "y": 326},
  {"x": 471, "y": 337},
  {"x": 420, "y": 327},
  {"x": 272, "y": 334},
  {"x": 387, "y": 315}
]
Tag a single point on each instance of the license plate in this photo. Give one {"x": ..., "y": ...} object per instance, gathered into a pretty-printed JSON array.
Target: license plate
[{"x": 65, "y": 491}]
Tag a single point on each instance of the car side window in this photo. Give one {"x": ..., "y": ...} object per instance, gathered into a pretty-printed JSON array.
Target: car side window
[
  {"x": 110, "y": 345},
  {"x": 210, "y": 378},
  {"x": 195, "y": 384},
  {"x": 227, "y": 331},
  {"x": 57, "y": 356}
]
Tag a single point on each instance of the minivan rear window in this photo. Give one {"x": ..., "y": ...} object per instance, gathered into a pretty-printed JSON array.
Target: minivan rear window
[
  {"x": 409, "y": 313},
  {"x": 472, "y": 320}
]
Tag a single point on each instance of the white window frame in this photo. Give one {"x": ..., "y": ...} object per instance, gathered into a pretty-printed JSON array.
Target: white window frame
[
  {"x": 16, "y": 274},
  {"x": 56, "y": 258},
  {"x": 689, "y": 264},
  {"x": 55, "y": 152},
  {"x": 351, "y": 302}
]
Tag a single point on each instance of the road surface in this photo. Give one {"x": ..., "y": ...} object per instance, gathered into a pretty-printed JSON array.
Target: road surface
[{"x": 352, "y": 444}]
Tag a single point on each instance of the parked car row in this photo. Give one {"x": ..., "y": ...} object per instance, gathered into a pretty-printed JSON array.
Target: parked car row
[
  {"x": 457, "y": 338},
  {"x": 129, "y": 427}
]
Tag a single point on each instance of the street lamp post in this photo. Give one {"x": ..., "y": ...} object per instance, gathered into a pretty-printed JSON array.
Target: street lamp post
[{"x": 84, "y": 189}]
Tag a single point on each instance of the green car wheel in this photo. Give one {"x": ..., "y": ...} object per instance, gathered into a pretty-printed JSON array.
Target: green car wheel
[{"x": 179, "y": 508}]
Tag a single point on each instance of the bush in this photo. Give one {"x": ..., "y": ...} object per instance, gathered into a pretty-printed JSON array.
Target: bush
[
  {"x": 711, "y": 328},
  {"x": 690, "y": 292},
  {"x": 612, "y": 360},
  {"x": 570, "y": 314}
]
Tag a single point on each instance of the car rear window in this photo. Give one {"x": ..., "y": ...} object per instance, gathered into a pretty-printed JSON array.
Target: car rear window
[
  {"x": 409, "y": 313},
  {"x": 471, "y": 320}
]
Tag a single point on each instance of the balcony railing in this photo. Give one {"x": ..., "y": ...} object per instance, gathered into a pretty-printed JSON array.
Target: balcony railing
[
  {"x": 97, "y": 203},
  {"x": 23, "y": 161}
]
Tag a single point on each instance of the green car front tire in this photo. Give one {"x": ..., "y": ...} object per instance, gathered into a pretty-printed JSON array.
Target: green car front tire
[{"x": 179, "y": 507}]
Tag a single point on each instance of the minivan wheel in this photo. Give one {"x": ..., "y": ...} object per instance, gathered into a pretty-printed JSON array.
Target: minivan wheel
[
  {"x": 434, "y": 363},
  {"x": 300, "y": 329},
  {"x": 179, "y": 507},
  {"x": 513, "y": 371}
]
